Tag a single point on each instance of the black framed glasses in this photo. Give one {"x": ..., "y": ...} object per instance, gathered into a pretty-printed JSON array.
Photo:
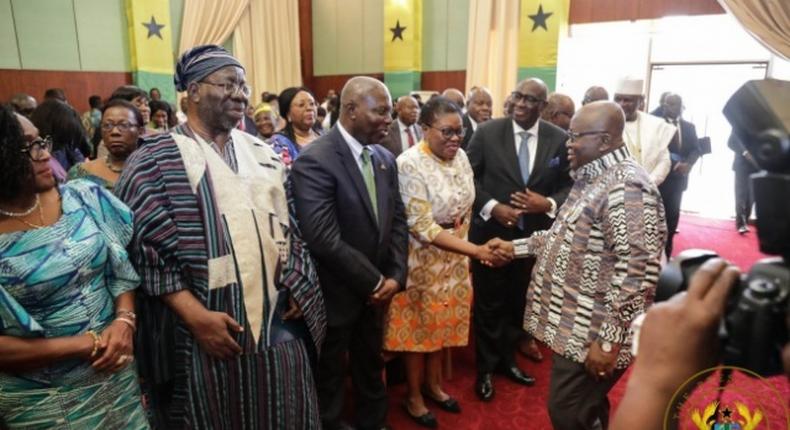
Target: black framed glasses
[
  {"x": 448, "y": 133},
  {"x": 122, "y": 126},
  {"x": 572, "y": 136},
  {"x": 36, "y": 149},
  {"x": 231, "y": 88},
  {"x": 516, "y": 97}
]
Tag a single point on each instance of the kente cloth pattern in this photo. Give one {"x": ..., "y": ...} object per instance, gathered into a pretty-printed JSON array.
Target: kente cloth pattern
[{"x": 597, "y": 267}]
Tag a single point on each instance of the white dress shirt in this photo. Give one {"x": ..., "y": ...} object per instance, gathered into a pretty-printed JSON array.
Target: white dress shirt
[
  {"x": 404, "y": 138},
  {"x": 532, "y": 144},
  {"x": 474, "y": 124}
]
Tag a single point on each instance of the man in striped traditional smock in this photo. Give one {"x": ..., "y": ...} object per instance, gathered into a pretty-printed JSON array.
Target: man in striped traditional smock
[{"x": 231, "y": 313}]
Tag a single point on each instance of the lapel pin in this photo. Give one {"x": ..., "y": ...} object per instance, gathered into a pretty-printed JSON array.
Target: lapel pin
[{"x": 383, "y": 167}]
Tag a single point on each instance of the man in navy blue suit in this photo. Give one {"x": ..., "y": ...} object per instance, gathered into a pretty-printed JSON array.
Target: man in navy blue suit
[
  {"x": 353, "y": 221},
  {"x": 684, "y": 152}
]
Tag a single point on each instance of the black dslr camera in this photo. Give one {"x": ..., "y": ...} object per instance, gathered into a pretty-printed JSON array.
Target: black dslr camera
[{"x": 755, "y": 325}]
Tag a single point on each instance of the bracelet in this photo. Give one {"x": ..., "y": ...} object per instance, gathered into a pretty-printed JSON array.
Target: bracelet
[
  {"x": 126, "y": 313},
  {"x": 128, "y": 322},
  {"x": 96, "y": 341}
]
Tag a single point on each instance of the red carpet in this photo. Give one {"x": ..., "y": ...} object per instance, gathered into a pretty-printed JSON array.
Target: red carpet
[{"x": 517, "y": 407}]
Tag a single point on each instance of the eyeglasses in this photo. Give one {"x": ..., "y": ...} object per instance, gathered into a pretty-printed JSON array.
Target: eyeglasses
[
  {"x": 231, "y": 88},
  {"x": 576, "y": 136},
  {"x": 36, "y": 149},
  {"x": 448, "y": 133},
  {"x": 516, "y": 97},
  {"x": 123, "y": 126}
]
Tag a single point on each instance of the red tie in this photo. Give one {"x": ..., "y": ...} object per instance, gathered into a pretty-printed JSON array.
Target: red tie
[{"x": 411, "y": 138}]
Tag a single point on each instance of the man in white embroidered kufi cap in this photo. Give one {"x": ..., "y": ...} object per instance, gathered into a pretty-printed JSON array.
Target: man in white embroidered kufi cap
[{"x": 647, "y": 137}]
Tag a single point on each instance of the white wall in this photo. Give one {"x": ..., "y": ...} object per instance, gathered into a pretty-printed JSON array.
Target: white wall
[{"x": 601, "y": 53}]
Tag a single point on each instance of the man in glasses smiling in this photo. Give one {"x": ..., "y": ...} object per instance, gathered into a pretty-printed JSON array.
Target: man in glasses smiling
[
  {"x": 230, "y": 304},
  {"x": 597, "y": 268},
  {"x": 521, "y": 178}
]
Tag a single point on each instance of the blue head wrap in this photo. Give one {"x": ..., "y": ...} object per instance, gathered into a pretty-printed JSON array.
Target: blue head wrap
[{"x": 201, "y": 61}]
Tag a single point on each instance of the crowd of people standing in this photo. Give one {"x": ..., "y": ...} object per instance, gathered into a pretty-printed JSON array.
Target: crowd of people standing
[{"x": 234, "y": 279}]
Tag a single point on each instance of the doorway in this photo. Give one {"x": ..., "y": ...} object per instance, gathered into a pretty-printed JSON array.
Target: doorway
[{"x": 705, "y": 88}]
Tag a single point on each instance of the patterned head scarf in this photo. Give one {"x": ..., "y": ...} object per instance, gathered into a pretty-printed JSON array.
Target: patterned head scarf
[{"x": 201, "y": 61}]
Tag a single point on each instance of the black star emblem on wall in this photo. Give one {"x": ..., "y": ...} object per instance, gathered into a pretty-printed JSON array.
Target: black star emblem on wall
[
  {"x": 154, "y": 29},
  {"x": 397, "y": 31},
  {"x": 539, "y": 19},
  {"x": 727, "y": 413}
]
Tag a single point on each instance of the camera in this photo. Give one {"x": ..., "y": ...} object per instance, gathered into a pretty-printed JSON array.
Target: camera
[{"x": 754, "y": 329}]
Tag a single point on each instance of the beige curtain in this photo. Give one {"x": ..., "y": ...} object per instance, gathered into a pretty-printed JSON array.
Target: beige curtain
[
  {"x": 767, "y": 20},
  {"x": 209, "y": 21},
  {"x": 266, "y": 42},
  {"x": 491, "y": 56}
]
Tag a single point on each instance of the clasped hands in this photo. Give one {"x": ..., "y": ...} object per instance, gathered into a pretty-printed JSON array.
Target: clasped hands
[
  {"x": 527, "y": 202},
  {"x": 115, "y": 349}
]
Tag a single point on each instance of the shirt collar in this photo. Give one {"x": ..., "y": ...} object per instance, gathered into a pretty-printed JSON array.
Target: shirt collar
[
  {"x": 353, "y": 144},
  {"x": 533, "y": 131},
  {"x": 401, "y": 126},
  {"x": 599, "y": 165},
  {"x": 473, "y": 122}
]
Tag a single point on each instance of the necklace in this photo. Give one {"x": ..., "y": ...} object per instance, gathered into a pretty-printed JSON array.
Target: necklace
[
  {"x": 40, "y": 218},
  {"x": 23, "y": 213},
  {"x": 112, "y": 168}
]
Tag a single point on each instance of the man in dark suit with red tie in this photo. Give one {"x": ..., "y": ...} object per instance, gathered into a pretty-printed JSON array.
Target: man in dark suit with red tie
[
  {"x": 522, "y": 176},
  {"x": 404, "y": 132},
  {"x": 352, "y": 218}
]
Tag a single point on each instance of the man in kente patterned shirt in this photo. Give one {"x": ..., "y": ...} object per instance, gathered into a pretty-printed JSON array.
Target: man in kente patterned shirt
[{"x": 596, "y": 270}]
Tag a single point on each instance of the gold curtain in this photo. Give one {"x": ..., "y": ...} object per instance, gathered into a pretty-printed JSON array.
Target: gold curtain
[
  {"x": 492, "y": 51},
  {"x": 266, "y": 42},
  {"x": 209, "y": 21},
  {"x": 767, "y": 20}
]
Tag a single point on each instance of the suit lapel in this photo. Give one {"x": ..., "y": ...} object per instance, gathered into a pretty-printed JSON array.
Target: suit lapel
[
  {"x": 352, "y": 169},
  {"x": 542, "y": 154},
  {"x": 509, "y": 152}
]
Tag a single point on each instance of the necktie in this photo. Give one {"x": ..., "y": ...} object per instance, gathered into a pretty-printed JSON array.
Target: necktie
[
  {"x": 370, "y": 180},
  {"x": 523, "y": 156},
  {"x": 410, "y": 136},
  {"x": 523, "y": 164}
]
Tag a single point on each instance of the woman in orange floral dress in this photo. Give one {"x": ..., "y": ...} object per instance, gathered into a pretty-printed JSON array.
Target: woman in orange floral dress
[{"x": 432, "y": 313}]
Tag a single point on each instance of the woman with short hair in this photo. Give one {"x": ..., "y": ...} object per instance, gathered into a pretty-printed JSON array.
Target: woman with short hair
[
  {"x": 432, "y": 313},
  {"x": 121, "y": 128}
]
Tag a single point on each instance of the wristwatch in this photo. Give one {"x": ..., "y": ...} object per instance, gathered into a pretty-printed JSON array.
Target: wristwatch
[{"x": 606, "y": 347}]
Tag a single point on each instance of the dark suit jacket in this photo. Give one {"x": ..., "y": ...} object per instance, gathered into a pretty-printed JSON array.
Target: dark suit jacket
[
  {"x": 740, "y": 163},
  {"x": 393, "y": 140},
  {"x": 687, "y": 151},
  {"x": 469, "y": 132},
  {"x": 352, "y": 248},
  {"x": 492, "y": 154}
]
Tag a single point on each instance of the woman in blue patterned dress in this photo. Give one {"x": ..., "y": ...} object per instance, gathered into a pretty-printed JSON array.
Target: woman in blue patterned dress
[{"x": 66, "y": 295}]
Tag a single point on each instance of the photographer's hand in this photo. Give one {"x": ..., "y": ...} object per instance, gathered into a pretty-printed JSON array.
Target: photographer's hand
[{"x": 675, "y": 342}]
